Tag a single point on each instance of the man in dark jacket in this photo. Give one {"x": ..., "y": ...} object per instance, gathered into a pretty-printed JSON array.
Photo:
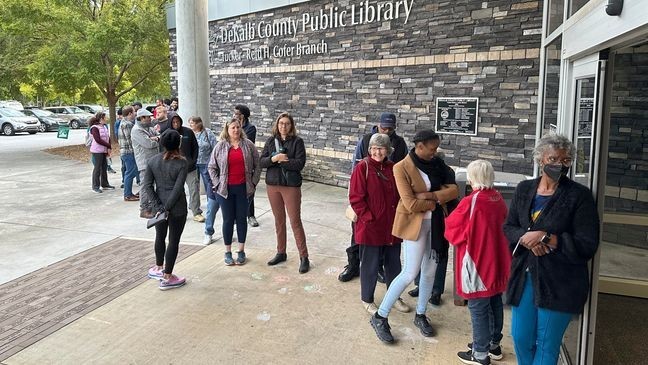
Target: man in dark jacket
[
  {"x": 189, "y": 149},
  {"x": 387, "y": 126},
  {"x": 243, "y": 113}
]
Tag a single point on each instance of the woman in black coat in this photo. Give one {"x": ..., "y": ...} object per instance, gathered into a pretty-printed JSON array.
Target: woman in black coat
[
  {"x": 284, "y": 155},
  {"x": 553, "y": 232},
  {"x": 167, "y": 171}
]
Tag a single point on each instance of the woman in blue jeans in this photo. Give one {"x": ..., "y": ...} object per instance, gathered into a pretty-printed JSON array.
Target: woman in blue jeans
[
  {"x": 482, "y": 261},
  {"x": 234, "y": 169},
  {"x": 553, "y": 232},
  {"x": 423, "y": 182},
  {"x": 206, "y": 143}
]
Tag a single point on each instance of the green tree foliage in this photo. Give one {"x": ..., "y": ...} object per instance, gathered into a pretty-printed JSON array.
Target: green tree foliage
[{"x": 60, "y": 47}]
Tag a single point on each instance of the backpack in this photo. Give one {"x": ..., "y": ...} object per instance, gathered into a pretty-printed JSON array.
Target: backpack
[{"x": 88, "y": 137}]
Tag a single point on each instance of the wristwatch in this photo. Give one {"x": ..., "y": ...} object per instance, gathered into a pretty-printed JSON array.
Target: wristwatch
[{"x": 546, "y": 238}]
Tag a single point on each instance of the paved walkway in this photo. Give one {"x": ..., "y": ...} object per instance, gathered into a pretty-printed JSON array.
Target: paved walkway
[
  {"x": 38, "y": 304},
  {"x": 254, "y": 314}
]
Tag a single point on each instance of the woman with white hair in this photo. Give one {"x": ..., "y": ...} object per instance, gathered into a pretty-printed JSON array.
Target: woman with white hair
[
  {"x": 373, "y": 197},
  {"x": 482, "y": 261},
  {"x": 553, "y": 232}
]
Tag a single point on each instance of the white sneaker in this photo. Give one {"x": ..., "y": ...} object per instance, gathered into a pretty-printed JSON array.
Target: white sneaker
[
  {"x": 401, "y": 306},
  {"x": 370, "y": 307},
  {"x": 208, "y": 239}
]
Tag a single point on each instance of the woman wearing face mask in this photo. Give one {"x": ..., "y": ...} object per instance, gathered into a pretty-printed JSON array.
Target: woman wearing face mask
[{"x": 553, "y": 232}]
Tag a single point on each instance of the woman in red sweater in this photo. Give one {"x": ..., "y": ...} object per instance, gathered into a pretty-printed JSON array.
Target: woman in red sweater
[
  {"x": 373, "y": 197},
  {"x": 483, "y": 262}
]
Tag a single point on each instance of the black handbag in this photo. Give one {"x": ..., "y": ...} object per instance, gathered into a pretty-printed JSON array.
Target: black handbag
[{"x": 159, "y": 218}]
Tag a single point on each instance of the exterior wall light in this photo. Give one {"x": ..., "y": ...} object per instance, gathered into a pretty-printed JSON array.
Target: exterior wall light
[{"x": 614, "y": 7}]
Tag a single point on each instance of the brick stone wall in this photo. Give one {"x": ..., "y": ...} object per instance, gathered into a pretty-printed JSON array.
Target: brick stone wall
[{"x": 488, "y": 50}]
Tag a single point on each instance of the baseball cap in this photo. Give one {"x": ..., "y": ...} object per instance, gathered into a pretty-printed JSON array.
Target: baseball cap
[{"x": 387, "y": 120}]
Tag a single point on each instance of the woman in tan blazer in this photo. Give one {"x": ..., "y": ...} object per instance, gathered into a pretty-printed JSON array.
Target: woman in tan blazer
[{"x": 424, "y": 183}]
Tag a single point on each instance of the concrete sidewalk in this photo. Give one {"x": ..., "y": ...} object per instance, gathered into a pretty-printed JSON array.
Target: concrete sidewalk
[{"x": 250, "y": 314}]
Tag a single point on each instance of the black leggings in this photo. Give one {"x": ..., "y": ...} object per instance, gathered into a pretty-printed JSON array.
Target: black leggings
[{"x": 175, "y": 225}]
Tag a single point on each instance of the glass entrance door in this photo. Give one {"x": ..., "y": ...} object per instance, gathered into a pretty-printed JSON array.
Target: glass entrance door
[{"x": 583, "y": 124}]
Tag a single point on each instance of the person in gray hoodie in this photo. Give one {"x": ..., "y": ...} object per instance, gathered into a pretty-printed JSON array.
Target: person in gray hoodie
[{"x": 145, "y": 142}]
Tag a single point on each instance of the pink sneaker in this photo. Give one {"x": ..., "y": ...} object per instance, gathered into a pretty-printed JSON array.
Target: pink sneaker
[
  {"x": 155, "y": 273},
  {"x": 173, "y": 282}
]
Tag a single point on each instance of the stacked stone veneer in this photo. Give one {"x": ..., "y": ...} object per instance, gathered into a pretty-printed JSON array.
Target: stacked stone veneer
[
  {"x": 488, "y": 50},
  {"x": 627, "y": 171}
]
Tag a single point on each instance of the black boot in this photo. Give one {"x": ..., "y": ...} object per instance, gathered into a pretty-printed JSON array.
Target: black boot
[
  {"x": 279, "y": 257},
  {"x": 304, "y": 265},
  {"x": 351, "y": 270},
  {"x": 414, "y": 292}
]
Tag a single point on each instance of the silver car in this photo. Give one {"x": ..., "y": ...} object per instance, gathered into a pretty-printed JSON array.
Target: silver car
[
  {"x": 76, "y": 117},
  {"x": 12, "y": 121}
]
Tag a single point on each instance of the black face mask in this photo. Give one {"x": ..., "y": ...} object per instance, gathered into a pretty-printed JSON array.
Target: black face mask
[{"x": 555, "y": 171}]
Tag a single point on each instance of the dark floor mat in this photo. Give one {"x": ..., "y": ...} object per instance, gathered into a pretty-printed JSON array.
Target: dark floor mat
[{"x": 621, "y": 331}]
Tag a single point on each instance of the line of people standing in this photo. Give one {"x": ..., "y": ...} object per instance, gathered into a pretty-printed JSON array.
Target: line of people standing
[{"x": 549, "y": 235}]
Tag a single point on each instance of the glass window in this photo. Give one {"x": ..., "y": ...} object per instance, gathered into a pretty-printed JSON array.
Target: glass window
[
  {"x": 556, "y": 14},
  {"x": 576, "y": 5},
  {"x": 551, "y": 83}
]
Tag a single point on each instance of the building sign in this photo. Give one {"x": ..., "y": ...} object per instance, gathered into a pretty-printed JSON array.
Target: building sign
[
  {"x": 457, "y": 115},
  {"x": 585, "y": 114},
  {"x": 288, "y": 28}
]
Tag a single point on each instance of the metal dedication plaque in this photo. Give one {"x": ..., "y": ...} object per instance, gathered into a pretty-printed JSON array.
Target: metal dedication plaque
[{"x": 457, "y": 115}]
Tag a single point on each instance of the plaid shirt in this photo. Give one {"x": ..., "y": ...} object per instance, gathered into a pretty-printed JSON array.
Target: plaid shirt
[{"x": 124, "y": 137}]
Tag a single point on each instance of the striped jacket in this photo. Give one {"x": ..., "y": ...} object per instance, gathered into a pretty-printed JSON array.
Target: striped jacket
[{"x": 218, "y": 166}]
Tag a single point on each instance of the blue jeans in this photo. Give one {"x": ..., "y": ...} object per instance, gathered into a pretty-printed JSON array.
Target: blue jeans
[
  {"x": 128, "y": 161},
  {"x": 419, "y": 257},
  {"x": 487, "y": 316},
  {"x": 537, "y": 332},
  {"x": 234, "y": 210},
  {"x": 212, "y": 202}
]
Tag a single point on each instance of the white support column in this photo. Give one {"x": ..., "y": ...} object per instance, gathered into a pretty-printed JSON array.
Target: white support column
[{"x": 192, "y": 33}]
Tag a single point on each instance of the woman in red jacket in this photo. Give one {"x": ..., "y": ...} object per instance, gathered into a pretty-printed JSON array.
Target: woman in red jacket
[
  {"x": 373, "y": 197},
  {"x": 483, "y": 262}
]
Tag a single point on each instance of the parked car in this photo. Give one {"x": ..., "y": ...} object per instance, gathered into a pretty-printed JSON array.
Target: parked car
[
  {"x": 13, "y": 104},
  {"x": 13, "y": 121},
  {"x": 48, "y": 121},
  {"x": 91, "y": 108},
  {"x": 76, "y": 117}
]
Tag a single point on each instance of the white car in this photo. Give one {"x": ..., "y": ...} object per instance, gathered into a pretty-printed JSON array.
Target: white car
[{"x": 12, "y": 121}]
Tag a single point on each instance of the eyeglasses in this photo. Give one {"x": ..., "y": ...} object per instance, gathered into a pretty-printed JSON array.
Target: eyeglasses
[
  {"x": 379, "y": 148},
  {"x": 567, "y": 161}
]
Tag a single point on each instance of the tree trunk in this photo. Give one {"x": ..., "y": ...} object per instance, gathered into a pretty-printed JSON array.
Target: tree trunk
[{"x": 112, "y": 113}]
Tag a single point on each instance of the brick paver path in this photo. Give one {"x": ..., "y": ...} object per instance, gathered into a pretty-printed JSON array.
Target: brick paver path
[{"x": 38, "y": 304}]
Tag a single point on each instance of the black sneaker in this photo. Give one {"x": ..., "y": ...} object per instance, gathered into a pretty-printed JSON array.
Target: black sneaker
[
  {"x": 494, "y": 354},
  {"x": 421, "y": 321},
  {"x": 435, "y": 299},
  {"x": 381, "y": 326},
  {"x": 467, "y": 357},
  {"x": 414, "y": 292}
]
